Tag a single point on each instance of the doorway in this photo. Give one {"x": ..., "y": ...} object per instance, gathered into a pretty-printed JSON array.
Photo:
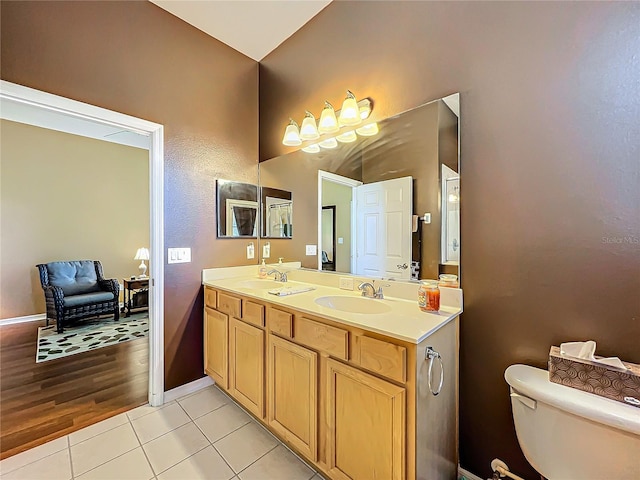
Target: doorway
[
  {"x": 75, "y": 112},
  {"x": 337, "y": 191}
]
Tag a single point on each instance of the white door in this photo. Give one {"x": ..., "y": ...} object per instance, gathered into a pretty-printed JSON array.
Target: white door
[{"x": 383, "y": 228}]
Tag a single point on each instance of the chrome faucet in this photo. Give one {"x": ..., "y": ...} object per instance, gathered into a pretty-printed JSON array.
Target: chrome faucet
[
  {"x": 369, "y": 290},
  {"x": 278, "y": 276}
]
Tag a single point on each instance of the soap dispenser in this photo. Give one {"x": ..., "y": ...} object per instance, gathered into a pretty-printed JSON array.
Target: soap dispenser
[
  {"x": 262, "y": 271},
  {"x": 280, "y": 260}
]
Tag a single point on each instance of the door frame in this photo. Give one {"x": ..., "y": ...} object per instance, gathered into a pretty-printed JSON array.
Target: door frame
[
  {"x": 155, "y": 131},
  {"x": 349, "y": 182}
]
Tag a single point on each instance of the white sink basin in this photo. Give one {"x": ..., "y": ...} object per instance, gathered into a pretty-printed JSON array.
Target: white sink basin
[
  {"x": 261, "y": 284},
  {"x": 353, "y": 304}
]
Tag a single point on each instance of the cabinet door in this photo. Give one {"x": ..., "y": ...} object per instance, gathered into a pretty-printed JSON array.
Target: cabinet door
[
  {"x": 246, "y": 365},
  {"x": 216, "y": 341},
  {"x": 366, "y": 425},
  {"x": 292, "y": 383}
]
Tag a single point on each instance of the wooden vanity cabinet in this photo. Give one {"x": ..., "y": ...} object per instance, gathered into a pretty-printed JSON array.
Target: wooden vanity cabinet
[
  {"x": 292, "y": 398},
  {"x": 366, "y": 425},
  {"x": 216, "y": 342},
  {"x": 246, "y": 365},
  {"x": 346, "y": 399}
]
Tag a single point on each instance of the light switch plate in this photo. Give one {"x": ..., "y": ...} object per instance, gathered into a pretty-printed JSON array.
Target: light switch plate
[
  {"x": 312, "y": 250},
  {"x": 250, "y": 251},
  {"x": 179, "y": 255},
  {"x": 346, "y": 283},
  {"x": 340, "y": 240}
]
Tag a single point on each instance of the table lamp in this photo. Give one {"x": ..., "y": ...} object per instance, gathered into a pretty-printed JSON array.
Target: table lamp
[{"x": 142, "y": 254}]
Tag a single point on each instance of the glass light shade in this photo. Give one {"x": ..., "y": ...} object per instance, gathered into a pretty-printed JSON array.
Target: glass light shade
[
  {"x": 350, "y": 112},
  {"x": 292, "y": 135},
  {"x": 142, "y": 254},
  {"x": 314, "y": 148},
  {"x": 365, "y": 111},
  {"x": 308, "y": 129},
  {"x": 368, "y": 130},
  {"x": 347, "y": 137},
  {"x": 328, "y": 122},
  {"x": 329, "y": 143}
]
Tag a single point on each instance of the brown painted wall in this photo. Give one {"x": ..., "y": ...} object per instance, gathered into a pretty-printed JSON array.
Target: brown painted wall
[
  {"x": 549, "y": 165},
  {"x": 135, "y": 58},
  {"x": 49, "y": 215}
]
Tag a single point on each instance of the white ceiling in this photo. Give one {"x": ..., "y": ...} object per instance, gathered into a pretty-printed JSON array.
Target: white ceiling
[{"x": 254, "y": 28}]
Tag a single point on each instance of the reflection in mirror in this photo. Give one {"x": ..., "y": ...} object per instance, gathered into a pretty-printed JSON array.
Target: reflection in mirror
[
  {"x": 237, "y": 209},
  {"x": 277, "y": 213},
  {"x": 413, "y": 158},
  {"x": 328, "y": 245}
]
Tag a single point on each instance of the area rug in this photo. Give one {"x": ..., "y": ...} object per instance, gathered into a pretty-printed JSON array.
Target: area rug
[{"x": 89, "y": 335}]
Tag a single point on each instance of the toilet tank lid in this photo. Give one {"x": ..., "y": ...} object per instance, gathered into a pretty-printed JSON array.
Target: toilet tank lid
[{"x": 534, "y": 382}]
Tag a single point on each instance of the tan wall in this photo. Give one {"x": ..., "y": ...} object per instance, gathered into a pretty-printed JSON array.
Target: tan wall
[
  {"x": 550, "y": 217},
  {"x": 66, "y": 197},
  {"x": 135, "y": 58},
  {"x": 340, "y": 196}
]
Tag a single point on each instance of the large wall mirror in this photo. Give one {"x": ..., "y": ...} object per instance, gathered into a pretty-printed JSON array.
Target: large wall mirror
[
  {"x": 238, "y": 209},
  {"x": 394, "y": 198}
]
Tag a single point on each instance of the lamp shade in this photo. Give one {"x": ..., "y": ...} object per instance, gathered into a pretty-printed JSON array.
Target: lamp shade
[
  {"x": 313, "y": 148},
  {"x": 308, "y": 129},
  {"x": 142, "y": 254},
  {"x": 291, "y": 135},
  {"x": 329, "y": 143},
  {"x": 368, "y": 130},
  {"x": 328, "y": 121},
  {"x": 347, "y": 137},
  {"x": 350, "y": 112}
]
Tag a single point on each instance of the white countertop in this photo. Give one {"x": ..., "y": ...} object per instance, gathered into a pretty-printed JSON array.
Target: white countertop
[{"x": 405, "y": 321}]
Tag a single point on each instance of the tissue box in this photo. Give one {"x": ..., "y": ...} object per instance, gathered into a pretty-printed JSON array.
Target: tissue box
[{"x": 593, "y": 377}]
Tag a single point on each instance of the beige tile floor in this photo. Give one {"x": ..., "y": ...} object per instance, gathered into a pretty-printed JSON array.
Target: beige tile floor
[{"x": 200, "y": 436}]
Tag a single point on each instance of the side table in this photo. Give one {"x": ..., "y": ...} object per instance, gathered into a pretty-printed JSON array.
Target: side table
[{"x": 133, "y": 288}]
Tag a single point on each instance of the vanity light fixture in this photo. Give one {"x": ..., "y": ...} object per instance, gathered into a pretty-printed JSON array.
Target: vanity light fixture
[
  {"x": 353, "y": 112},
  {"x": 292, "y": 135},
  {"x": 350, "y": 112},
  {"x": 308, "y": 129},
  {"x": 328, "y": 121}
]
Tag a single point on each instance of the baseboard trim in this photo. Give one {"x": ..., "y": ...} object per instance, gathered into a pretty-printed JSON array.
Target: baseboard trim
[
  {"x": 187, "y": 388},
  {"x": 23, "y": 319},
  {"x": 467, "y": 474}
]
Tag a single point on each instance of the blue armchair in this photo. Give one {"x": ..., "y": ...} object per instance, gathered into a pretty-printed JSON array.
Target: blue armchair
[{"x": 77, "y": 289}]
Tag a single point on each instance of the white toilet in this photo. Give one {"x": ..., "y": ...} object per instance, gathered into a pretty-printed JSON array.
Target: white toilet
[{"x": 567, "y": 434}]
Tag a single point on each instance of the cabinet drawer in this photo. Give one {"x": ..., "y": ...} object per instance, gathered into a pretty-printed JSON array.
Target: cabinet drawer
[
  {"x": 383, "y": 358},
  {"x": 210, "y": 297},
  {"x": 253, "y": 313},
  {"x": 323, "y": 337},
  {"x": 280, "y": 322},
  {"x": 229, "y": 305}
]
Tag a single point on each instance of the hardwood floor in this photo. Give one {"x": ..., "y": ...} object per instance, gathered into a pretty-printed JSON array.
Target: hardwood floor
[{"x": 43, "y": 401}]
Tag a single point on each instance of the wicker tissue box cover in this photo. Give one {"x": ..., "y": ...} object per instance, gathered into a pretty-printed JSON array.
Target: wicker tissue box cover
[{"x": 596, "y": 378}]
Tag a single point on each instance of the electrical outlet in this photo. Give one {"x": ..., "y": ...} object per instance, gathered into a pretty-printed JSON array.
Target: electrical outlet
[
  {"x": 250, "y": 251},
  {"x": 266, "y": 250},
  {"x": 340, "y": 240},
  {"x": 346, "y": 283},
  {"x": 312, "y": 250}
]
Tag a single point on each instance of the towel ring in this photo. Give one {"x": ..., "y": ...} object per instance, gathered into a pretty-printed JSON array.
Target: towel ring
[{"x": 430, "y": 355}]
